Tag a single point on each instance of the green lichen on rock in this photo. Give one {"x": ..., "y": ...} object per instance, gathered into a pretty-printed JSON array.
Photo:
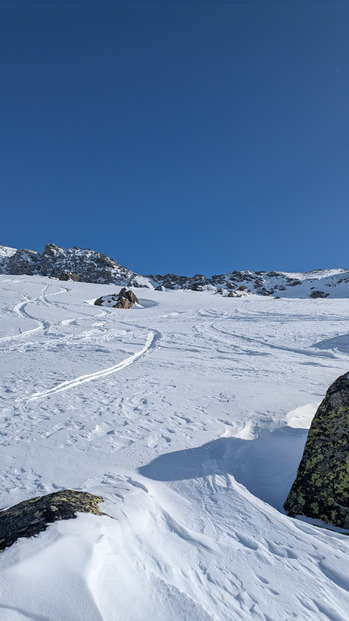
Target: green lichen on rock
[
  {"x": 321, "y": 488},
  {"x": 32, "y": 516}
]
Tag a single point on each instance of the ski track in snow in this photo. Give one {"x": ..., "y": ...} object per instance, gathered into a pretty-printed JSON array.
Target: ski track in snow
[
  {"x": 193, "y": 449},
  {"x": 152, "y": 338}
]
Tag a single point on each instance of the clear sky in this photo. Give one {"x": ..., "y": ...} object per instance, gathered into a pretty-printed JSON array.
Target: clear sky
[{"x": 177, "y": 135}]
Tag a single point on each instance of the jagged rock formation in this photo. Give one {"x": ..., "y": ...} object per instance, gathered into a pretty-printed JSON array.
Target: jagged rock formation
[
  {"x": 31, "y": 517},
  {"x": 124, "y": 299},
  {"x": 321, "y": 489},
  {"x": 276, "y": 284},
  {"x": 88, "y": 265},
  {"x": 94, "y": 267},
  {"x": 24, "y": 262}
]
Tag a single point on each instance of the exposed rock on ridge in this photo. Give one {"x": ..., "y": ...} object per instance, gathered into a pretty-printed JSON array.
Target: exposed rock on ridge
[
  {"x": 321, "y": 488},
  {"x": 94, "y": 267},
  {"x": 89, "y": 265}
]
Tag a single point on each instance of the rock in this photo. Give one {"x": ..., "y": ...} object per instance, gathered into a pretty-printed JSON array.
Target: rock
[
  {"x": 294, "y": 283},
  {"x": 69, "y": 276},
  {"x": 31, "y": 517},
  {"x": 321, "y": 488},
  {"x": 25, "y": 262},
  {"x": 125, "y": 299},
  {"x": 319, "y": 294},
  {"x": 160, "y": 288}
]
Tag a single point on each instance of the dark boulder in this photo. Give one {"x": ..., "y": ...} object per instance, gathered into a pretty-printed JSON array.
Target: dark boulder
[
  {"x": 31, "y": 517},
  {"x": 319, "y": 294},
  {"x": 321, "y": 488}
]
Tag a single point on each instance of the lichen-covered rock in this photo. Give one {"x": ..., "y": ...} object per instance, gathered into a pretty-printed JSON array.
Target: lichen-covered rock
[
  {"x": 321, "y": 488},
  {"x": 31, "y": 517}
]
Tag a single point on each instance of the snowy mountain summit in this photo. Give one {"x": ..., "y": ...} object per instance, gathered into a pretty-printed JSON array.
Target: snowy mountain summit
[{"x": 95, "y": 267}]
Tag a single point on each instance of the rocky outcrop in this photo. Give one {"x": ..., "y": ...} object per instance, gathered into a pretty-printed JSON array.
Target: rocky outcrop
[
  {"x": 31, "y": 517},
  {"x": 94, "y": 267},
  {"x": 321, "y": 488},
  {"x": 89, "y": 265},
  {"x": 124, "y": 299},
  {"x": 25, "y": 262}
]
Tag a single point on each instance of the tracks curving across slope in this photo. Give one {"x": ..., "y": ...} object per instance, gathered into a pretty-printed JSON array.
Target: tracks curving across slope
[{"x": 151, "y": 340}]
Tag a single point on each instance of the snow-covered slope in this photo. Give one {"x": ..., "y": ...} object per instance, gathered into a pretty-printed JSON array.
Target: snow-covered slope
[
  {"x": 94, "y": 267},
  {"x": 189, "y": 416}
]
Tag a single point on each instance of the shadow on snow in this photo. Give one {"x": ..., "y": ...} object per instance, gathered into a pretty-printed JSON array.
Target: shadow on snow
[{"x": 266, "y": 466}]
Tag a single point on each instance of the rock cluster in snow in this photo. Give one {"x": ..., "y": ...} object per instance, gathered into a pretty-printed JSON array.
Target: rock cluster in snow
[
  {"x": 123, "y": 299},
  {"x": 321, "y": 489}
]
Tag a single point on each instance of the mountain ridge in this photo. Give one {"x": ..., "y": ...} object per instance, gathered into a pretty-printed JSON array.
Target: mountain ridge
[{"x": 95, "y": 267}]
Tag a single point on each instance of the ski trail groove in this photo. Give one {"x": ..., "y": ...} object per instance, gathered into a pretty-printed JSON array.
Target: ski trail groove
[{"x": 77, "y": 381}]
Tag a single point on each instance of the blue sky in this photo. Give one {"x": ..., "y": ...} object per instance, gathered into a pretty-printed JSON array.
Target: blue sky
[{"x": 177, "y": 136}]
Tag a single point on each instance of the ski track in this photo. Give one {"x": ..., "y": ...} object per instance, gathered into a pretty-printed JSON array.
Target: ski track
[
  {"x": 152, "y": 338},
  {"x": 20, "y": 310}
]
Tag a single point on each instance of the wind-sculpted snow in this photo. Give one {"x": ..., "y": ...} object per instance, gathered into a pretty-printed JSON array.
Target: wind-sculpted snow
[{"x": 189, "y": 416}]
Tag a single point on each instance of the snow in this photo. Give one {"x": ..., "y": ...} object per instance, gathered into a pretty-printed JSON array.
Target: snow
[
  {"x": 7, "y": 251},
  {"x": 189, "y": 416}
]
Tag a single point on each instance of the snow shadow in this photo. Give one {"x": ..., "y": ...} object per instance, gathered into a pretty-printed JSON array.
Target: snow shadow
[
  {"x": 337, "y": 342},
  {"x": 143, "y": 303},
  {"x": 266, "y": 466}
]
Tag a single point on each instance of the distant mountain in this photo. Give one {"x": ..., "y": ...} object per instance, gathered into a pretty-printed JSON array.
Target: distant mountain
[
  {"x": 94, "y": 267},
  {"x": 89, "y": 265}
]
